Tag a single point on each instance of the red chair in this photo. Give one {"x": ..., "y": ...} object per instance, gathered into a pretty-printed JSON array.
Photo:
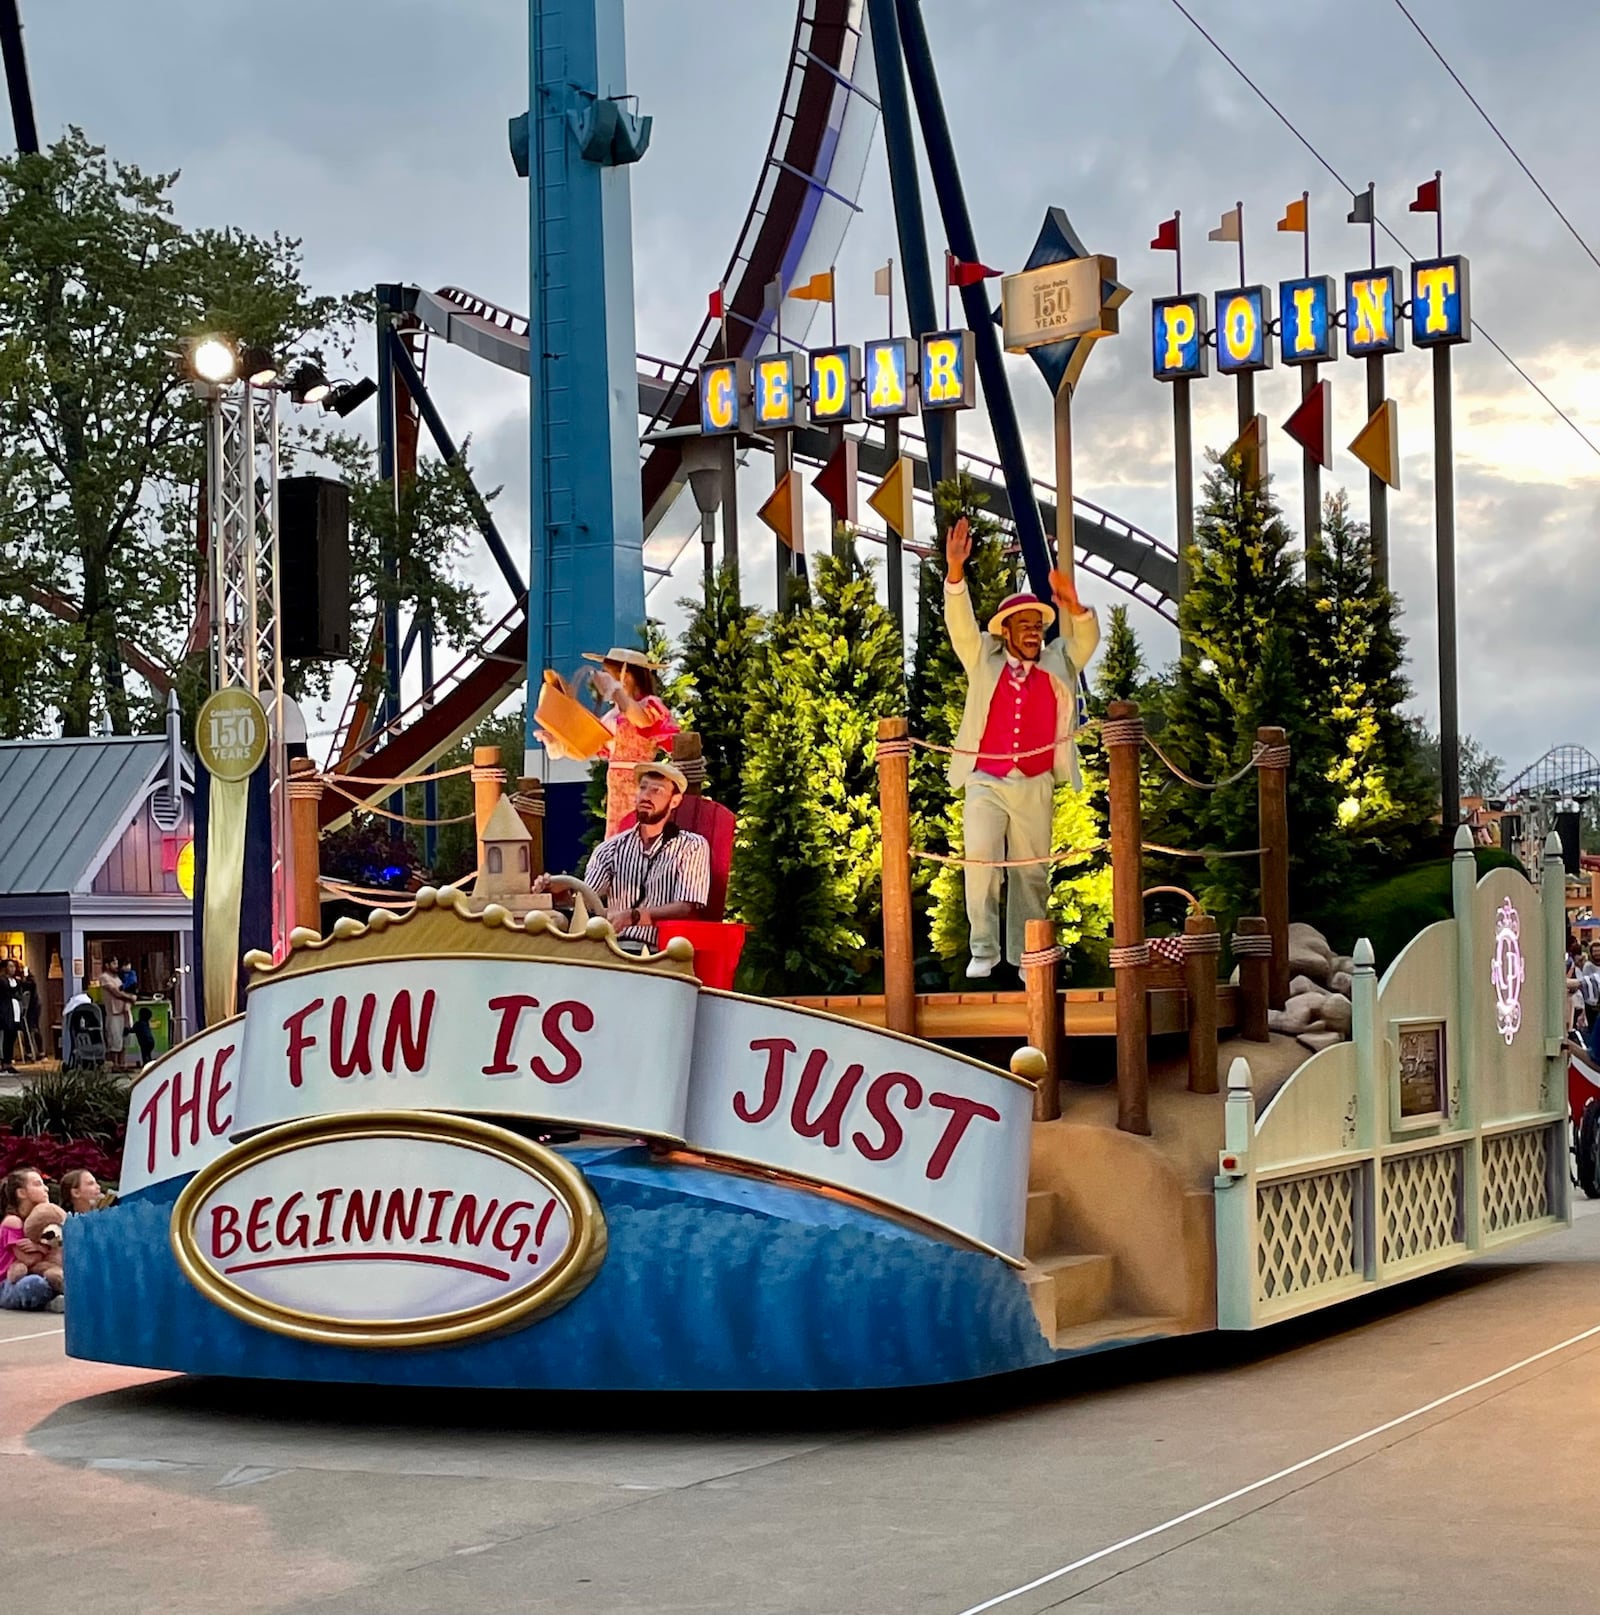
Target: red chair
[{"x": 717, "y": 943}]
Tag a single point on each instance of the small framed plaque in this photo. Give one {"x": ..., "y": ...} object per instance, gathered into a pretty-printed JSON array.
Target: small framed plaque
[{"x": 1419, "y": 1091}]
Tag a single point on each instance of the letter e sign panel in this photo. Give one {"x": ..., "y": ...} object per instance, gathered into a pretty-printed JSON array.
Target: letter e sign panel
[{"x": 387, "y": 1230}]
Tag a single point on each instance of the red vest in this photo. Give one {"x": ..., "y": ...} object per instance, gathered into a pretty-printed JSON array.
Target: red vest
[{"x": 1022, "y": 719}]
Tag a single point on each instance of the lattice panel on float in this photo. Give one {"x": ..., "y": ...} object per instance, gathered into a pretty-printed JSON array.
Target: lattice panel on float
[
  {"x": 1516, "y": 1183},
  {"x": 1308, "y": 1234},
  {"x": 1423, "y": 1206}
]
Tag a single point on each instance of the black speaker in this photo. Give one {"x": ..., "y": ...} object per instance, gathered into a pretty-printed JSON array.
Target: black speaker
[
  {"x": 1510, "y": 831},
  {"x": 314, "y": 566},
  {"x": 1568, "y": 822}
]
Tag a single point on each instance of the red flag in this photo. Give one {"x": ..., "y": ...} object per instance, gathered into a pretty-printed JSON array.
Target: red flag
[
  {"x": 959, "y": 273},
  {"x": 1427, "y": 197},
  {"x": 1166, "y": 236},
  {"x": 714, "y": 304}
]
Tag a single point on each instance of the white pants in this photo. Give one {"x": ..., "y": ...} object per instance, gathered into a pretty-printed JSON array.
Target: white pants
[{"x": 1006, "y": 818}]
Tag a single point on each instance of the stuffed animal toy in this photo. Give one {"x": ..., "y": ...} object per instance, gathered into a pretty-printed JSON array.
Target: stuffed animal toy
[{"x": 40, "y": 1249}]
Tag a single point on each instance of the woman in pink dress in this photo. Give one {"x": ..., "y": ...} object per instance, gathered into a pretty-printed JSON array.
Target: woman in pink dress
[{"x": 639, "y": 722}]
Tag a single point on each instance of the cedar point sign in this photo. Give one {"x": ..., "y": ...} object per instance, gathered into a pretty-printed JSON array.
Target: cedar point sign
[{"x": 339, "y": 1195}]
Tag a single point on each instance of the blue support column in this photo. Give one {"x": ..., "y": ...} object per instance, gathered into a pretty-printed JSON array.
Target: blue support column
[
  {"x": 975, "y": 299},
  {"x": 586, "y": 569}
]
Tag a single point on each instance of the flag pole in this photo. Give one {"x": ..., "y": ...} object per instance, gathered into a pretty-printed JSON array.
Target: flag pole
[
  {"x": 1305, "y": 234},
  {"x": 1444, "y": 541},
  {"x": 1310, "y": 465},
  {"x": 1238, "y": 209},
  {"x": 1177, "y": 252},
  {"x": 1438, "y": 213},
  {"x": 1246, "y": 379},
  {"x": 1182, "y": 450},
  {"x": 949, "y": 261},
  {"x": 1372, "y": 222},
  {"x": 833, "y": 303},
  {"x": 891, "y": 299}
]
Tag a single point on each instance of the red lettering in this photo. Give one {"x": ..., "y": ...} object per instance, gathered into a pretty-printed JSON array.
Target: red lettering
[
  {"x": 219, "y": 1091},
  {"x": 778, "y": 1050},
  {"x": 148, "y": 1114},
  {"x": 894, "y": 1135},
  {"x": 325, "y": 1199},
  {"x": 543, "y": 1223},
  {"x": 582, "y": 1018},
  {"x": 182, "y": 1108},
  {"x": 359, "y": 1057},
  {"x": 299, "y": 1040},
  {"x": 509, "y": 1008},
  {"x": 438, "y": 1197},
  {"x": 224, "y": 1227},
  {"x": 829, "y": 1126},
  {"x": 475, "y": 1235},
  {"x": 521, "y": 1232},
  {"x": 256, "y": 1228},
  {"x": 412, "y": 1045},
  {"x": 301, "y": 1225},
  {"x": 962, "y": 1112},
  {"x": 400, "y": 1218},
  {"x": 361, "y": 1215}
]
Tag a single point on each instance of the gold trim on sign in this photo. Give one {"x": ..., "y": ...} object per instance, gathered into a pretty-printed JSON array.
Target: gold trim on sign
[
  {"x": 551, "y": 1290},
  {"x": 266, "y": 979}
]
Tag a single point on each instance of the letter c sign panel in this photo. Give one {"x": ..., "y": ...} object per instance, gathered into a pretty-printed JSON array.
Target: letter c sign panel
[{"x": 387, "y": 1230}]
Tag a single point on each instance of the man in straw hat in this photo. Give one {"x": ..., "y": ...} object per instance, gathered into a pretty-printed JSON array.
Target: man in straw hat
[
  {"x": 1014, "y": 745},
  {"x": 655, "y": 871}
]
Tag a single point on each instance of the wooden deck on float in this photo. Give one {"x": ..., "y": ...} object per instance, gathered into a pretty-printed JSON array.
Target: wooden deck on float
[{"x": 1085, "y": 1012}]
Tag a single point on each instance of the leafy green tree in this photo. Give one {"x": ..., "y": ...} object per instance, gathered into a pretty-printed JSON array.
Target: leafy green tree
[
  {"x": 720, "y": 656},
  {"x": 1243, "y": 626},
  {"x": 1356, "y": 655}
]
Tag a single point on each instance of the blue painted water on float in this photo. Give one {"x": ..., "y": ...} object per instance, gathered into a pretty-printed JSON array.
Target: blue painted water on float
[{"x": 710, "y": 1282}]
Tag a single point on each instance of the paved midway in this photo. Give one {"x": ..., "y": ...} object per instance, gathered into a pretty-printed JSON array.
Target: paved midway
[{"x": 1433, "y": 1453}]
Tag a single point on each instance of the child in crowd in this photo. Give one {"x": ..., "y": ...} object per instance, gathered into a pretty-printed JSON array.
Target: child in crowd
[
  {"x": 20, "y": 1191},
  {"x": 144, "y": 1034}
]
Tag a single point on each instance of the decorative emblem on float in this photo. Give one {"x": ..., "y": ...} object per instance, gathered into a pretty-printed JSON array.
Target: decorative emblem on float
[
  {"x": 389, "y": 1229},
  {"x": 1508, "y": 971}
]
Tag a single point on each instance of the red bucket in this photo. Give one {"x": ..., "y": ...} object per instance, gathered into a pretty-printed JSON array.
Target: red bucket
[{"x": 717, "y": 945}]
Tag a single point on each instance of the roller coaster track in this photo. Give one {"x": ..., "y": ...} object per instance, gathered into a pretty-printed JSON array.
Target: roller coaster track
[{"x": 804, "y": 197}]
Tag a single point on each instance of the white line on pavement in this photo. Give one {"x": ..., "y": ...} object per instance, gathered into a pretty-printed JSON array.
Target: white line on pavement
[
  {"x": 1282, "y": 1474},
  {"x": 11, "y": 1340}
]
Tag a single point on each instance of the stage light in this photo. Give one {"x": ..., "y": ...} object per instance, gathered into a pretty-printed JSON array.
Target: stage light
[
  {"x": 349, "y": 396},
  {"x": 257, "y": 366},
  {"x": 214, "y": 360},
  {"x": 308, "y": 385}
]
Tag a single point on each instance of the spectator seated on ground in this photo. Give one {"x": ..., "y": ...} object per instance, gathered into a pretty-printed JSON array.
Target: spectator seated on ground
[
  {"x": 654, "y": 871},
  {"x": 22, "y": 1191}
]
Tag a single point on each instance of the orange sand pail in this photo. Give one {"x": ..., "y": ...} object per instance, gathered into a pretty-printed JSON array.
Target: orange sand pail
[{"x": 561, "y": 714}]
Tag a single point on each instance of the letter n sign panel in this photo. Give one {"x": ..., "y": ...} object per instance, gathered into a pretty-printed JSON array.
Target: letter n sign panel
[
  {"x": 1440, "y": 307},
  {"x": 1372, "y": 313},
  {"x": 1243, "y": 319},
  {"x": 1178, "y": 337}
]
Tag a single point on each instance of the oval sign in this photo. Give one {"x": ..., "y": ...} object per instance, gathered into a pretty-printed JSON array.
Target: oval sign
[{"x": 389, "y": 1229}]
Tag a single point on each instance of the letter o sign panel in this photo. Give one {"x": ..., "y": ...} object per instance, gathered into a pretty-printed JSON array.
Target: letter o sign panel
[
  {"x": 390, "y": 1229},
  {"x": 1244, "y": 320}
]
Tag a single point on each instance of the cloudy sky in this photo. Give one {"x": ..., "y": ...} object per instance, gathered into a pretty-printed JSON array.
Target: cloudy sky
[{"x": 375, "y": 130}]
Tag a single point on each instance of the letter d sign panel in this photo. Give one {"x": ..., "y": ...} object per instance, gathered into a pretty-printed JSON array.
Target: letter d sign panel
[{"x": 1178, "y": 337}]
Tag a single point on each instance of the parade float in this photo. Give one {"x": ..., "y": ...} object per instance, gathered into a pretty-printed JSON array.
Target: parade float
[{"x": 470, "y": 1140}]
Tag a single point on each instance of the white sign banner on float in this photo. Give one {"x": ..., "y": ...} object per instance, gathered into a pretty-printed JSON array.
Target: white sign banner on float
[
  {"x": 581, "y": 1045},
  {"x": 630, "y": 1052}
]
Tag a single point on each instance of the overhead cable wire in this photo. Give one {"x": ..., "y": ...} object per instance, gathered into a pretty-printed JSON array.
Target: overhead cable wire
[
  {"x": 1344, "y": 184},
  {"x": 1533, "y": 178}
]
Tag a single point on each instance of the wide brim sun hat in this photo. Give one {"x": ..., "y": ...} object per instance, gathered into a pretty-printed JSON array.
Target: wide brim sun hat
[
  {"x": 665, "y": 770},
  {"x": 627, "y": 657},
  {"x": 1013, "y": 603}
]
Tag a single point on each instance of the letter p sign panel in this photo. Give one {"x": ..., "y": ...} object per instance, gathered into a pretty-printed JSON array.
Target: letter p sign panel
[{"x": 1178, "y": 337}]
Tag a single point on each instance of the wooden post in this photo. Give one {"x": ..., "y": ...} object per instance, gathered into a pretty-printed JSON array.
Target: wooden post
[
  {"x": 894, "y": 803},
  {"x": 1041, "y": 971},
  {"x": 1272, "y": 809},
  {"x": 1122, "y": 734},
  {"x": 1252, "y": 947},
  {"x": 1201, "y": 946},
  {"x": 488, "y": 780},
  {"x": 528, "y": 800},
  {"x": 689, "y": 754},
  {"x": 305, "y": 797}
]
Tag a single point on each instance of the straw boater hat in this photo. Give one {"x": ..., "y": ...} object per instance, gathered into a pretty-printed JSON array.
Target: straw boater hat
[
  {"x": 627, "y": 656},
  {"x": 666, "y": 770},
  {"x": 1013, "y": 603}
]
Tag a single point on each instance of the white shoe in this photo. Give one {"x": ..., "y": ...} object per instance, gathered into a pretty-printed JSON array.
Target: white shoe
[{"x": 980, "y": 969}]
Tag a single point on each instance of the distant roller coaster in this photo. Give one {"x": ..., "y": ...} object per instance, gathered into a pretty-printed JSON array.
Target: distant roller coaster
[{"x": 1567, "y": 770}]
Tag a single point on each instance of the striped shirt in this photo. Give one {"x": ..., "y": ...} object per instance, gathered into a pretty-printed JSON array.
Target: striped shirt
[{"x": 675, "y": 868}]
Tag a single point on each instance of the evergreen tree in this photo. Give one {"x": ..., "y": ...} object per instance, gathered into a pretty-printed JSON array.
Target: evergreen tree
[
  {"x": 832, "y": 669},
  {"x": 1243, "y": 626},
  {"x": 720, "y": 656},
  {"x": 1385, "y": 800}
]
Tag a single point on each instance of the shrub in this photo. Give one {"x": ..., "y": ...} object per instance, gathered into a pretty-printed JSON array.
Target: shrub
[{"x": 90, "y": 1104}]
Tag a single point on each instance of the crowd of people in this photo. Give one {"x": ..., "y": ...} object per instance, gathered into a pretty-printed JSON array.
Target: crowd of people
[
  {"x": 19, "y": 1016},
  {"x": 1583, "y": 993},
  {"x": 31, "y": 1230}
]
